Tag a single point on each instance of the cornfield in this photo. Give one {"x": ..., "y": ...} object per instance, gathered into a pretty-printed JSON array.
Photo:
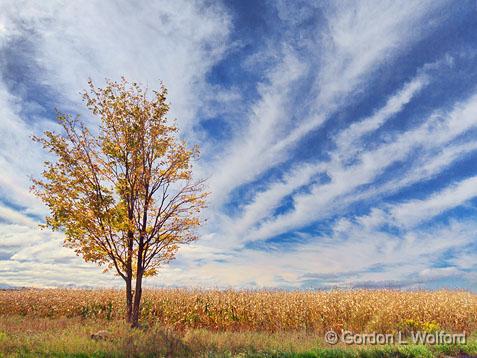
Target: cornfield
[{"x": 272, "y": 311}]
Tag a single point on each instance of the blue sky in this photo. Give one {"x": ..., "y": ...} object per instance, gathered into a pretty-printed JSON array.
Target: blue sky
[{"x": 338, "y": 137}]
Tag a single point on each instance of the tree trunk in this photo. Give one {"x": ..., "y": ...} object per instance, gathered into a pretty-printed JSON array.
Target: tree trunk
[
  {"x": 129, "y": 276},
  {"x": 129, "y": 300},
  {"x": 138, "y": 292},
  {"x": 137, "y": 302}
]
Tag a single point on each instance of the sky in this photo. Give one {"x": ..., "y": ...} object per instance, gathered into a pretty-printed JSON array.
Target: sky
[{"x": 338, "y": 138}]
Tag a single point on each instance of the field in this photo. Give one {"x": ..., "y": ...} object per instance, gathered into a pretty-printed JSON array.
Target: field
[{"x": 178, "y": 322}]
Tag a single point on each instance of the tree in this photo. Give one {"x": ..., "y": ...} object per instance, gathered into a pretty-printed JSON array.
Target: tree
[{"x": 122, "y": 193}]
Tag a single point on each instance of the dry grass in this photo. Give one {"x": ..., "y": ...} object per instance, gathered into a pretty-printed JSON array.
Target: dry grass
[
  {"x": 269, "y": 311},
  {"x": 65, "y": 336},
  {"x": 22, "y": 336}
]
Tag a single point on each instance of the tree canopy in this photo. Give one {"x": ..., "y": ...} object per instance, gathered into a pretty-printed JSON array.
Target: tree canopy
[{"x": 122, "y": 191}]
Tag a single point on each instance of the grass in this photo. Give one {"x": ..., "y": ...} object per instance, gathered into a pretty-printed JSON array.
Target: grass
[
  {"x": 70, "y": 337},
  {"x": 184, "y": 323}
]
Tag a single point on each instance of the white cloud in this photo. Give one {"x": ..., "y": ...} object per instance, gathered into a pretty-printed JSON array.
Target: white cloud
[
  {"x": 19, "y": 156},
  {"x": 13, "y": 216},
  {"x": 414, "y": 211},
  {"x": 246, "y": 157},
  {"x": 352, "y": 50},
  {"x": 176, "y": 42},
  {"x": 352, "y": 255},
  {"x": 436, "y": 273},
  {"x": 348, "y": 143},
  {"x": 436, "y": 132},
  {"x": 343, "y": 70}
]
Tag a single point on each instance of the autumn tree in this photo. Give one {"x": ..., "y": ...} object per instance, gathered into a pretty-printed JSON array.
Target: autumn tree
[{"x": 122, "y": 191}]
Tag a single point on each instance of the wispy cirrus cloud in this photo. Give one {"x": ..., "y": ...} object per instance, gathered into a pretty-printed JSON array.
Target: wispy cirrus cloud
[
  {"x": 345, "y": 56},
  {"x": 348, "y": 143},
  {"x": 435, "y": 132}
]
